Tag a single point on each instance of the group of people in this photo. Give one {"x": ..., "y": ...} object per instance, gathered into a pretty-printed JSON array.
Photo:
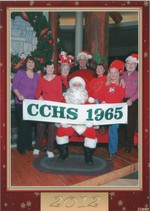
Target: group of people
[{"x": 74, "y": 86}]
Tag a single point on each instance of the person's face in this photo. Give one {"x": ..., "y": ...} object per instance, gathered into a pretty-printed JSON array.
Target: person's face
[
  {"x": 76, "y": 85},
  {"x": 30, "y": 65},
  {"x": 114, "y": 73},
  {"x": 82, "y": 62},
  {"x": 49, "y": 69},
  {"x": 65, "y": 71},
  {"x": 100, "y": 70},
  {"x": 130, "y": 66}
]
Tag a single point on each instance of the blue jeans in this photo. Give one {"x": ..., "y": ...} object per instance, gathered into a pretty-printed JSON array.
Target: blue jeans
[{"x": 113, "y": 138}]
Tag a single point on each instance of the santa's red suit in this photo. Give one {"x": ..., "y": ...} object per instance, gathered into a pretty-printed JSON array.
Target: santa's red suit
[{"x": 77, "y": 94}]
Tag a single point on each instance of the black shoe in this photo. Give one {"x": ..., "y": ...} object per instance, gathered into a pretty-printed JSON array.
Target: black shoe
[
  {"x": 62, "y": 157},
  {"x": 88, "y": 156},
  {"x": 63, "y": 152},
  {"x": 30, "y": 148},
  {"x": 21, "y": 151},
  {"x": 128, "y": 149},
  {"x": 111, "y": 156},
  {"x": 89, "y": 160}
]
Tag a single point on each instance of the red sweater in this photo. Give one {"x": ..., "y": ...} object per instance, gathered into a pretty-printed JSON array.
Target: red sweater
[
  {"x": 50, "y": 90},
  {"x": 113, "y": 93},
  {"x": 95, "y": 87}
]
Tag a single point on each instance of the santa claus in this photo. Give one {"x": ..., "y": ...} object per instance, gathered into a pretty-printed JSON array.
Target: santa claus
[{"x": 77, "y": 94}]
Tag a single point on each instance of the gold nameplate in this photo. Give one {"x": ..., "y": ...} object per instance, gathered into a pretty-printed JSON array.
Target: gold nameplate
[{"x": 74, "y": 201}]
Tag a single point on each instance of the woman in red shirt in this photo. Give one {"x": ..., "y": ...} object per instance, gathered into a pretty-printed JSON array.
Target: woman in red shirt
[
  {"x": 113, "y": 92},
  {"x": 49, "y": 88},
  {"x": 95, "y": 87},
  {"x": 96, "y": 84}
]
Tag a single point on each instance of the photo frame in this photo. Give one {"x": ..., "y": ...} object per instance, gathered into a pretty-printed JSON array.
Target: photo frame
[{"x": 143, "y": 122}]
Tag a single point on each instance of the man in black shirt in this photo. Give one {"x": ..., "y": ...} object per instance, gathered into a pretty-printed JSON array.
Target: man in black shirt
[{"x": 82, "y": 59}]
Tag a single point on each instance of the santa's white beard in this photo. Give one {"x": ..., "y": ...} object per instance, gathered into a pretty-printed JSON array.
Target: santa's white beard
[{"x": 76, "y": 95}]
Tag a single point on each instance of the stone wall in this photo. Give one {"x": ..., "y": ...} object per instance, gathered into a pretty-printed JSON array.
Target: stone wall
[{"x": 23, "y": 39}]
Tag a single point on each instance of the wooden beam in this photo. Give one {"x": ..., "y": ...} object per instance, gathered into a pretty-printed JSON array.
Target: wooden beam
[
  {"x": 97, "y": 34},
  {"x": 117, "y": 18},
  {"x": 53, "y": 16}
]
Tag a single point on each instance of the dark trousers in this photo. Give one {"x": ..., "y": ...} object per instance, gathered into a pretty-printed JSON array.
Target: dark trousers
[
  {"x": 126, "y": 131},
  {"x": 50, "y": 137},
  {"x": 25, "y": 129}
]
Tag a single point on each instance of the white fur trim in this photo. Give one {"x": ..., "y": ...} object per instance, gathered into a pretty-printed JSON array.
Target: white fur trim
[
  {"x": 79, "y": 128},
  {"x": 63, "y": 53},
  {"x": 89, "y": 142},
  {"x": 96, "y": 127},
  {"x": 62, "y": 140},
  {"x": 77, "y": 79},
  {"x": 132, "y": 59},
  {"x": 91, "y": 100},
  {"x": 84, "y": 55},
  {"x": 57, "y": 125},
  {"x": 89, "y": 124},
  {"x": 65, "y": 125}
]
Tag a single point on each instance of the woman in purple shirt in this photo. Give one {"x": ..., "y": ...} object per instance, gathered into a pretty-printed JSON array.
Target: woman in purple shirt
[{"x": 24, "y": 87}]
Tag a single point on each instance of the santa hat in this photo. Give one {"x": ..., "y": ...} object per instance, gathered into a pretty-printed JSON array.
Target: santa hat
[
  {"x": 133, "y": 58},
  {"x": 118, "y": 64},
  {"x": 84, "y": 55},
  {"x": 63, "y": 53},
  {"x": 78, "y": 80}
]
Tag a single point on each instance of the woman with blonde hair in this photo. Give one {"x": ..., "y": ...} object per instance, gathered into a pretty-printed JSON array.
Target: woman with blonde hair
[{"x": 113, "y": 92}]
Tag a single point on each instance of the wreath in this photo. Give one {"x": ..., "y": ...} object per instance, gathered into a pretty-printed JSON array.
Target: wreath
[{"x": 44, "y": 51}]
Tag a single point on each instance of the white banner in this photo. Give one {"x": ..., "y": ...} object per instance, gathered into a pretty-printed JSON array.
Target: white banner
[{"x": 95, "y": 114}]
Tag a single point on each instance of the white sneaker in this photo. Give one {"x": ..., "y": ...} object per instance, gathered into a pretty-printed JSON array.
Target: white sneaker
[
  {"x": 50, "y": 154},
  {"x": 36, "y": 152}
]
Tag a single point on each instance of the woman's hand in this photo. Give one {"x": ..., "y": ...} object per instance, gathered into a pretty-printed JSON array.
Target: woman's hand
[
  {"x": 122, "y": 83},
  {"x": 20, "y": 97},
  {"x": 129, "y": 102},
  {"x": 41, "y": 98}
]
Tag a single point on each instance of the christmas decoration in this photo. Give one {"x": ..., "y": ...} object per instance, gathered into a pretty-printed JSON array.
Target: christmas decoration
[
  {"x": 64, "y": 58},
  {"x": 44, "y": 51},
  {"x": 16, "y": 62},
  {"x": 99, "y": 60}
]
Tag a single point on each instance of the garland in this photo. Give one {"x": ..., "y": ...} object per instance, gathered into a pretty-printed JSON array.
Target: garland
[{"x": 44, "y": 51}]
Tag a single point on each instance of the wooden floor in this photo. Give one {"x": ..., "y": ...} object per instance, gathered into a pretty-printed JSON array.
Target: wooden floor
[{"x": 24, "y": 174}]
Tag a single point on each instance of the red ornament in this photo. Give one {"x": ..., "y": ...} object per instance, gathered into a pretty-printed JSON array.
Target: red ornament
[
  {"x": 19, "y": 64},
  {"x": 35, "y": 18},
  {"x": 43, "y": 32},
  {"x": 40, "y": 59},
  {"x": 50, "y": 41},
  {"x": 45, "y": 36},
  {"x": 24, "y": 16}
]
